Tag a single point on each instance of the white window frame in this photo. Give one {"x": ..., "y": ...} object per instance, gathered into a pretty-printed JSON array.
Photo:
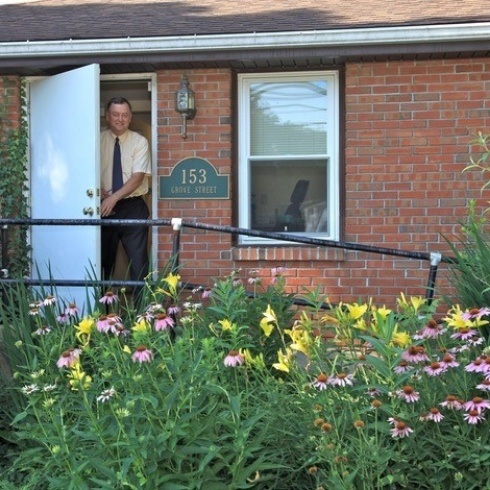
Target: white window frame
[{"x": 245, "y": 80}]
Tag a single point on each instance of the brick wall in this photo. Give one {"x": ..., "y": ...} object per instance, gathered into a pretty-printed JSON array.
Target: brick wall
[{"x": 407, "y": 131}]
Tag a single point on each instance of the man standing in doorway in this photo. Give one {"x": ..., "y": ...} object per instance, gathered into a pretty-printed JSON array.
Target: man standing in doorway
[{"x": 125, "y": 166}]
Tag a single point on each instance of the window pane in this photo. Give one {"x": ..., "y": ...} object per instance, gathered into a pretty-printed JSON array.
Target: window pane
[
  {"x": 288, "y": 118},
  {"x": 289, "y": 195}
]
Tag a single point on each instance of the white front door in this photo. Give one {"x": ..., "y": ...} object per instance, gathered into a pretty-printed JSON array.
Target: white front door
[{"x": 64, "y": 126}]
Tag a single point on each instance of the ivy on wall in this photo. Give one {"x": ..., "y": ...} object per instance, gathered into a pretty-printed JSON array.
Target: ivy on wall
[{"x": 13, "y": 175}]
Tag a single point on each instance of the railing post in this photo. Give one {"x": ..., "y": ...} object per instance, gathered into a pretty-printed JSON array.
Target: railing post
[
  {"x": 435, "y": 260},
  {"x": 176, "y": 226}
]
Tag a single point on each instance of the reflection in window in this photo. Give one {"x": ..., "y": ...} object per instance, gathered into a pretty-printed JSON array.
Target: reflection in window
[{"x": 288, "y": 153}]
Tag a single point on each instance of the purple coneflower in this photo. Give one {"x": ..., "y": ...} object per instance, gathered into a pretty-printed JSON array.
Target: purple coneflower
[
  {"x": 476, "y": 366},
  {"x": 464, "y": 334},
  {"x": 72, "y": 310},
  {"x": 449, "y": 361},
  {"x": 234, "y": 359},
  {"x": 434, "y": 369},
  {"x": 408, "y": 394},
  {"x": 173, "y": 310},
  {"x": 69, "y": 357},
  {"x": 415, "y": 353},
  {"x": 401, "y": 429},
  {"x": 106, "y": 395},
  {"x": 432, "y": 330},
  {"x": 473, "y": 417},
  {"x": 43, "y": 330},
  {"x": 479, "y": 404},
  {"x": 403, "y": 367},
  {"x": 109, "y": 323},
  {"x": 142, "y": 354},
  {"x": 342, "y": 379},
  {"x": 321, "y": 382},
  {"x": 435, "y": 415},
  {"x": 484, "y": 385},
  {"x": 163, "y": 322},
  {"x": 452, "y": 402},
  {"x": 109, "y": 298},
  {"x": 49, "y": 300}
]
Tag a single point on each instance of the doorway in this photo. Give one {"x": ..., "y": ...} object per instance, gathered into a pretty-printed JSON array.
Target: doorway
[{"x": 138, "y": 89}]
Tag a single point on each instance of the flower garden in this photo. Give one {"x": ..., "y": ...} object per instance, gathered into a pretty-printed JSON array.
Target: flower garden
[{"x": 213, "y": 389}]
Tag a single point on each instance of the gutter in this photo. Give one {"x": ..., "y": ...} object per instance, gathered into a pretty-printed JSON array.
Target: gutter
[{"x": 379, "y": 36}]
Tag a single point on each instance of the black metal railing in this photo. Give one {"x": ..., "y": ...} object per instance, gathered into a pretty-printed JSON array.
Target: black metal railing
[{"x": 178, "y": 225}]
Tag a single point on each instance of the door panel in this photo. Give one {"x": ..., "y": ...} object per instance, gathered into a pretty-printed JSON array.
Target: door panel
[{"x": 64, "y": 157}]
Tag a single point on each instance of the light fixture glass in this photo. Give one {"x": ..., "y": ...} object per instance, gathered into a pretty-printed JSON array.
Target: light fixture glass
[{"x": 185, "y": 104}]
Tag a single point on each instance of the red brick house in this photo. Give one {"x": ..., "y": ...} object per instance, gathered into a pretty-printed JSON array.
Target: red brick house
[{"x": 356, "y": 114}]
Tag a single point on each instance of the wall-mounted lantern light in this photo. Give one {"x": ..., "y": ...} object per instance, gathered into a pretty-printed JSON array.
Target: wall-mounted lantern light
[{"x": 185, "y": 104}]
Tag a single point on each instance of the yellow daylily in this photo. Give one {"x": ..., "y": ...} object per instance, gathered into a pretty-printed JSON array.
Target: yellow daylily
[
  {"x": 356, "y": 311},
  {"x": 266, "y": 327},
  {"x": 456, "y": 320},
  {"x": 173, "y": 281},
  {"x": 141, "y": 326},
  {"x": 78, "y": 378},
  {"x": 270, "y": 314},
  {"x": 85, "y": 328},
  {"x": 256, "y": 361},
  {"x": 226, "y": 324},
  {"x": 400, "y": 339},
  {"x": 383, "y": 312},
  {"x": 284, "y": 360},
  {"x": 301, "y": 338}
]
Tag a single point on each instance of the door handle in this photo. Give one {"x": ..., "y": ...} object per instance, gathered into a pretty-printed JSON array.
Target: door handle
[{"x": 88, "y": 211}]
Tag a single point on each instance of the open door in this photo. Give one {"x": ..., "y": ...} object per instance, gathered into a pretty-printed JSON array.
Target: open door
[{"x": 64, "y": 177}]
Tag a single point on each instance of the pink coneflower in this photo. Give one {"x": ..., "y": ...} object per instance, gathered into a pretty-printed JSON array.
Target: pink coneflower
[
  {"x": 401, "y": 429},
  {"x": 473, "y": 417},
  {"x": 448, "y": 361},
  {"x": 464, "y": 334},
  {"x": 452, "y": 402},
  {"x": 476, "y": 366},
  {"x": 173, "y": 310},
  {"x": 434, "y": 369},
  {"x": 415, "y": 354},
  {"x": 321, "y": 382},
  {"x": 63, "y": 318},
  {"x": 163, "y": 322},
  {"x": 432, "y": 330},
  {"x": 109, "y": 323},
  {"x": 479, "y": 404},
  {"x": 106, "y": 395},
  {"x": 49, "y": 300},
  {"x": 34, "y": 310},
  {"x": 120, "y": 330},
  {"x": 142, "y": 354},
  {"x": 208, "y": 292},
  {"x": 403, "y": 367},
  {"x": 234, "y": 359},
  {"x": 43, "y": 330},
  {"x": 475, "y": 313},
  {"x": 435, "y": 415},
  {"x": 484, "y": 385},
  {"x": 373, "y": 392},
  {"x": 109, "y": 298},
  {"x": 69, "y": 357},
  {"x": 475, "y": 340},
  {"x": 408, "y": 394},
  {"x": 342, "y": 379},
  {"x": 72, "y": 310}
]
